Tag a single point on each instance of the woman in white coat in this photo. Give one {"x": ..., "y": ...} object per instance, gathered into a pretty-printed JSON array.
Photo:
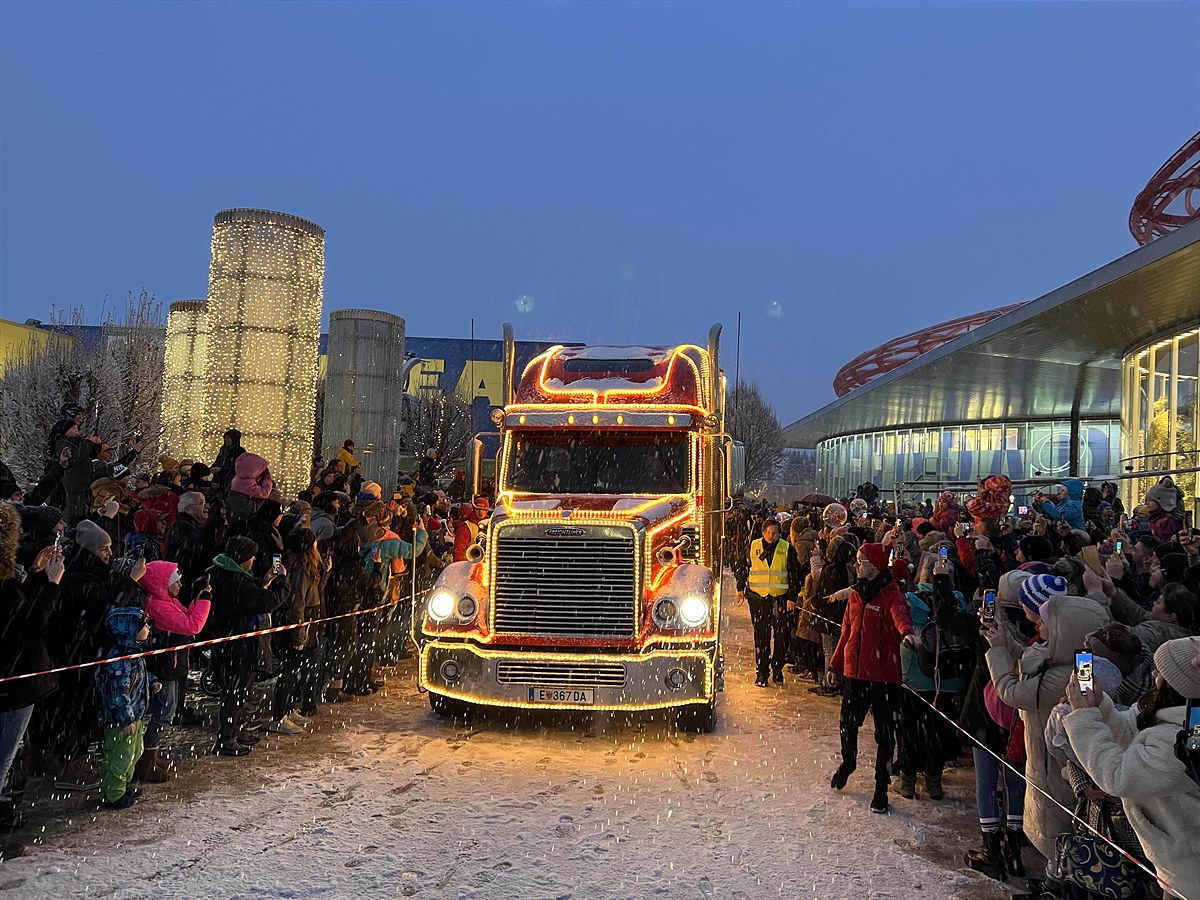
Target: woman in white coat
[{"x": 1130, "y": 754}]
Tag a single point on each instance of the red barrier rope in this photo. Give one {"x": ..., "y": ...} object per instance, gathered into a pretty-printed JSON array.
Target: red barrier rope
[{"x": 206, "y": 643}]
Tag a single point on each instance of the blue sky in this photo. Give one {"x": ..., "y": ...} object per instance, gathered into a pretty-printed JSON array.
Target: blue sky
[{"x": 838, "y": 173}]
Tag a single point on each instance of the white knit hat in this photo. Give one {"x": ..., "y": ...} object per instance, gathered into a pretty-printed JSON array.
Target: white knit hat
[{"x": 1174, "y": 661}]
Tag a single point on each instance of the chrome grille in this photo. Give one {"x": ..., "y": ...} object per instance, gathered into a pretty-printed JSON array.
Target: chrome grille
[
  {"x": 573, "y": 586},
  {"x": 561, "y": 674}
]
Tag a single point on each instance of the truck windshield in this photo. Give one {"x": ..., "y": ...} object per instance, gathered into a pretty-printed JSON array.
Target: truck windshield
[{"x": 598, "y": 463}]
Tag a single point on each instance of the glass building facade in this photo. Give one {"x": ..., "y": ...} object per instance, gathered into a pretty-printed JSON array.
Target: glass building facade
[
  {"x": 1160, "y": 418},
  {"x": 924, "y": 459}
]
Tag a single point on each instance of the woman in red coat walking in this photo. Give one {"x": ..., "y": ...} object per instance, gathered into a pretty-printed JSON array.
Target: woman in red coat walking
[{"x": 876, "y": 622}]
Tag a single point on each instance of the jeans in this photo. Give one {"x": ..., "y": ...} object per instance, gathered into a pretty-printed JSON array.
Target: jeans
[
  {"x": 162, "y": 709},
  {"x": 121, "y": 753},
  {"x": 883, "y": 700},
  {"x": 13, "y": 723},
  {"x": 987, "y": 778}
]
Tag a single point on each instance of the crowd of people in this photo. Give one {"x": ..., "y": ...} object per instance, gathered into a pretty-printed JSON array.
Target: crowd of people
[
  {"x": 121, "y": 561},
  {"x": 956, "y": 625},
  {"x": 1056, "y": 649}
]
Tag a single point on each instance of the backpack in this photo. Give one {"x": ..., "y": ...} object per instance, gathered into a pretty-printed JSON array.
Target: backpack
[{"x": 946, "y": 642}]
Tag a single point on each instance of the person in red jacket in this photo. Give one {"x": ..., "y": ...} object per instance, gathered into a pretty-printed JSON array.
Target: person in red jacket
[{"x": 876, "y": 622}]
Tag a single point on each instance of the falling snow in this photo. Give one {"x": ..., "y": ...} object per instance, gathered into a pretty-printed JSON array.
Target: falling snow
[{"x": 386, "y": 799}]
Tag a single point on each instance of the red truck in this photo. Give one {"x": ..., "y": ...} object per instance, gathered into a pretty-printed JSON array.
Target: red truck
[{"x": 596, "y": 585}]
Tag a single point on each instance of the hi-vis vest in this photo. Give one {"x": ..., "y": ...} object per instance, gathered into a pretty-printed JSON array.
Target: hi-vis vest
[{"x": 772, "y": 580}]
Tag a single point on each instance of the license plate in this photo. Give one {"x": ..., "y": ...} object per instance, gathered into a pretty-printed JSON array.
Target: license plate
[{"x": 562, "y": 695}]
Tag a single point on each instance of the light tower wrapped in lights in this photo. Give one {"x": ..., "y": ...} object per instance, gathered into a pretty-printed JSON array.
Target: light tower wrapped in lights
[
  {"x": 264, "y": 326},
  {"x": 183, "y": 377}
]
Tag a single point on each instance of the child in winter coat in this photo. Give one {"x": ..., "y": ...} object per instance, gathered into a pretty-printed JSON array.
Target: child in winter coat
[
  {"x": 173, "y": 624},
  {"x": 123, "y": 693}
]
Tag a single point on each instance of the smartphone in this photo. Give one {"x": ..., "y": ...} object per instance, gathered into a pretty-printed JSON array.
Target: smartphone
[
  {"x": 1022, "y": 510},
  {"x": 276, "y": 562},
  {"x": 57, "y": 540},
  {"x": 891, "y": 557},
  {"x": 989, "y": 606},
  {"x": 1120, "y": 550},
  {"x": 1083, "y": 670},
  {"x": 1193, "y": 727},
  {"x": 943, "y": 552}
]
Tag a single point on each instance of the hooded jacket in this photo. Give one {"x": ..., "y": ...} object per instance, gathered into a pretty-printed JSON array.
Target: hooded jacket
[
  {"x": 123, "y": 688},
  {"x": 252, "y": 477},
  {"x": 1071, "y": 508},
  {"x": 89, "y": 589},
  {"x": 1033, "y": 684},
  {"x": 237, "y": 602},
  {"x": 1140, "y": 768},
  {"x": 173, "y": 622}
]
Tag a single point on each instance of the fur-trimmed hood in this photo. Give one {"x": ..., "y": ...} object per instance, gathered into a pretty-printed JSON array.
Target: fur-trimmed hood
[{"x": 10, "y": 539}]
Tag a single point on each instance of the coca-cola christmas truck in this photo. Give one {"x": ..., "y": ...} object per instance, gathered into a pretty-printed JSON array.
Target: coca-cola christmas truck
[{"x": 596, "y": 584}]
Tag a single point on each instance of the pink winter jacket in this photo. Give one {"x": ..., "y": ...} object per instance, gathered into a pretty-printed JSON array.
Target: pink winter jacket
[
  {"x": 252, "y": 477},
  {"x": 166, "y": 613}
]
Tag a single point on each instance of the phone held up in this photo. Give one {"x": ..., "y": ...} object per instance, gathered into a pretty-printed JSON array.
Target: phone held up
[
  {"x": 58, "y": 540},
  {"x": 943, "y": 552},
  {"x": 1192, "y": 743},
  {"x": 989, "y": 606},
  {"x": 276, "y": 563},
  {"x": 1083, "y": 671}
]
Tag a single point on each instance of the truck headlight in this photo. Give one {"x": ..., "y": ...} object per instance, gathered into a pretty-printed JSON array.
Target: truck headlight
[
  {"x": 666, "y": 614},
  {"x": 467, "y": 607},
  {"x": 442, "y": 605},
  {"x": 693, "y": 611}
]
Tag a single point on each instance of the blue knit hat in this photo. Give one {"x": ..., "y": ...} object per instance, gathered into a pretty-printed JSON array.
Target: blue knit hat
[{"x": 1035, "y": 591}]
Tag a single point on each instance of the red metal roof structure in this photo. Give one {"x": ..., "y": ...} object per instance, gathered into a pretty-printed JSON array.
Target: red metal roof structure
[{"x": 1171, "y": 198}]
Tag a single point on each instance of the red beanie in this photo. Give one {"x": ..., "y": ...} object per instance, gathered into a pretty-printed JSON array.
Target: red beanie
[{"x": 876, "y": 554}]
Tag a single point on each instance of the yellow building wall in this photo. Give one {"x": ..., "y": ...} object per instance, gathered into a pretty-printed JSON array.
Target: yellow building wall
[{"x": 18, "y": 341}]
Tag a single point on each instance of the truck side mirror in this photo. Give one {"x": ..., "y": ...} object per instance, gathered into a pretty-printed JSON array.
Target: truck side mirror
[{"x": 735, "y": 468}]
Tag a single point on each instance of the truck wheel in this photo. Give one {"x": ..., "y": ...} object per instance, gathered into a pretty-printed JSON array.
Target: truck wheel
[
  {"x": 697, "y": 717},
  {"x": 448, "y": 706}
]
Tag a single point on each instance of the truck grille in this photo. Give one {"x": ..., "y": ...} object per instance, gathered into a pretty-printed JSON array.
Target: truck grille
[
  {"x": 570, "y": 586},
  {"x": 561, "y": 674}
]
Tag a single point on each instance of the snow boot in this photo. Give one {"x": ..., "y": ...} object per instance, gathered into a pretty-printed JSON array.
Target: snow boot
[
  {"x": 989, "y": 860},
  {"x": 150, "y": 768},
  {"x": 933, "y": 787},
  {"x": 78, "y": 775},
  {"x": 906, "y": 787},
  {"x": 1014, "y": 841}
]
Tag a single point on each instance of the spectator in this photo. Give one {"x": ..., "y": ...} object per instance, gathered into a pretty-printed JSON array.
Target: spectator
[
  {"x": 1032, "y": 680},
  {"x": 238, "y": 600},
  {"x": 298, "y": 650},
  {"x": 173, "y": 624},
  {"x": 249, "y": 487},
  {"x": 346, "y": 456},
  {"x": 123, "y": 689},
  {"x": 1131, "y": 755},
  {"x": 1164, "y": 519},
  {"x": 877, "y": 621}
]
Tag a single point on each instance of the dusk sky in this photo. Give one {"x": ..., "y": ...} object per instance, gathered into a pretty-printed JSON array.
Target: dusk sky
[{"x": 838, "y": 173}]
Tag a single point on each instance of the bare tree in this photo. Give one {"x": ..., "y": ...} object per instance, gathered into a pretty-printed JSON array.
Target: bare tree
[
  {"x": 751, "y": 420},
  {"x": 117, "y": 379},
  {"x": 438, "y": 421}
]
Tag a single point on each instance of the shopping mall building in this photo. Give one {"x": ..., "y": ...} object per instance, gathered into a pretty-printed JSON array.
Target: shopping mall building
[{"x": 1097, "y": 379}]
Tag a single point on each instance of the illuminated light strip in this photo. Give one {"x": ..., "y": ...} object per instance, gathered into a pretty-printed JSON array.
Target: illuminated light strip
[
  {"x": 666, "y": 384},
  {"x": 704, "y": 657}
]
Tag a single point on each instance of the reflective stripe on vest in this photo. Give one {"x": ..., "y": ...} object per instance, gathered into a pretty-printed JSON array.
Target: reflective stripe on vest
[{"x": 772, "y": 580}]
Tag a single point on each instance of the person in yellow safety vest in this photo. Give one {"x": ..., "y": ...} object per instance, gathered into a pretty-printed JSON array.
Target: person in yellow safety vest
[
  {"x": 346, "y": 455},
  {"x": 772, "y": 579}
]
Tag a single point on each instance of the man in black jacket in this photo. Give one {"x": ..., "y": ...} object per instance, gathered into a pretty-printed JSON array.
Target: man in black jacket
[
  {"x": 190, "y": 541},
  {"x": 769, "y": 581},
  {"x": 238, "y": 602}
]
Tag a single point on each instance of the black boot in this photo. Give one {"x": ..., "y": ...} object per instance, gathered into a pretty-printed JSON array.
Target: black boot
[
  {"x": 990, "y": 860},
  {"x": 1014, "y": 840},
  {"x": 879, "y": 800},
  {"x": 841, "y": 776}
]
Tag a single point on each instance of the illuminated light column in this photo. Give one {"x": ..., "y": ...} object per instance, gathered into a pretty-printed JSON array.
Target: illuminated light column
[
  {"x": 264, "y": 325},
  {"x": 363, "y": 393},
  {"x": 183, "y": 378}
]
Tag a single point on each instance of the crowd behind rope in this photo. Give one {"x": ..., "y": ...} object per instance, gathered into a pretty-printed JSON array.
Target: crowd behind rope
[
  {"x": 956, "y": 625},
  {"x": 100, "y": 560},
  {"x": 881, "y": 608}
]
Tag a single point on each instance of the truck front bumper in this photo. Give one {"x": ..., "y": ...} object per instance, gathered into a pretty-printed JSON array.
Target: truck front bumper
[{"x": 534, "y": 680}]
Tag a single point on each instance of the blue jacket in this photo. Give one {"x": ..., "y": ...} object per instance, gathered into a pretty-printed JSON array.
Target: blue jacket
[
  {"x": 1072, "y": 507},
  {"x": 123, "y": 688}
]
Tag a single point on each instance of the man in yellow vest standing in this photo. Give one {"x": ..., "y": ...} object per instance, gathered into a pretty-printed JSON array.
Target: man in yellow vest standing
[{"x": 773, "y": 578}]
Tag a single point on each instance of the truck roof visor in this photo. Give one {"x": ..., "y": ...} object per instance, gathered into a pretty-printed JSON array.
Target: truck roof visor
[{"x": 605, "y": 366}]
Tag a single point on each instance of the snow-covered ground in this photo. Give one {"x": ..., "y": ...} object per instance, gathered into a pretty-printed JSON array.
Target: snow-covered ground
[{"x": 385, "y": 799}]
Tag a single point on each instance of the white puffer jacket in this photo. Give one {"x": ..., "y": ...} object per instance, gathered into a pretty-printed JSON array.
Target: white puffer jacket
[{"x": 1140, "y": 767}]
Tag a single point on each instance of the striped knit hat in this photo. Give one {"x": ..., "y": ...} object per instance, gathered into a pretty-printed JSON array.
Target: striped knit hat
[{"x": 1037, "y": 590}]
